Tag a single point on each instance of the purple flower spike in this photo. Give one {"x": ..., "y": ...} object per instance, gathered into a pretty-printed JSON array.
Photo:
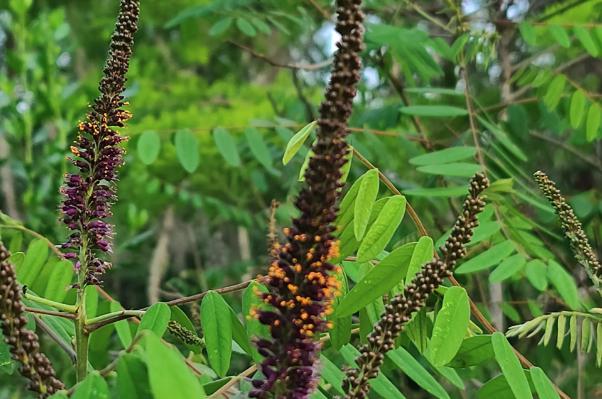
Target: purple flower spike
[{"x": 89, "y": 194}]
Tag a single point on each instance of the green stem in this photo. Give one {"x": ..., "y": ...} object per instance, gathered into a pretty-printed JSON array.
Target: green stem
[
  {"x": 109, "y": 316},
  {"x": 81, "y": 335},
  {"x": 56, "y": 305}
]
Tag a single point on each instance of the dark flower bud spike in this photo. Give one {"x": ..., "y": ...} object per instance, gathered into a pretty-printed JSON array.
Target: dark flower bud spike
[
  {"x": 97, "y": 155},
  {"x": 24, "y": 345},
  {"x": 301, "y": 286},
  {"x": 572, "y": 229},
  {"x": 400, "y": 310}
]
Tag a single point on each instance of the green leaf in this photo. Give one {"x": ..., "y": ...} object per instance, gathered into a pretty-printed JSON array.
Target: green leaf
[
  {"x": 17, "y": 259},
  {"x": 586, "y": 40},
  {"x": 169, "y": 376},
  {"x": 213, "y": 386},
  {"x": 437, "y": 192},
  {"x": 340, "y": 332},
  {"x": 511, "y": 367},
  {"x": 577, "y": 108},
  {"x": 549, "y": 330},
  {"x": 296, "y": 142},
  {"x": 599, "y": 347},
  {"x": 543, "y": 385},
  {"x": 187, "y": 150},
  {"x": 536, "y": 272},
  {"x": 332, "y": 375},
  {"x": 384, "y": 276},
  {"x": 258, "y": 147},
  {"x": 365, "y": 200},
  {"x": 122, "y": 327},
  {"x": 474, "y": 350},
  {"x": 156, "y": 319},
  {"x": 180, "y": 317},
  {"x": 554, "y": 92},
  {"x": 261, "y": 26},
  {"x": 59, "y": 395},
  {"x": 381, "y": 384},
  {"x": 450, "y": 326},
  {"x": 149, "y": 145},
  {"x": 380, "y": 233},
  {"x": 542, "y": 77},
  {"x": 498, "y": 388},
  {"x": 574, "y": 332},
  {"x": 239, "y": 334},
  {"x": 220, "y": 26},
  {"x": 422, "y": 254},
  {"x": 491, "y": 257},
  {"x": 92, "y": 387},
  {"x": 593, "y": 122},
  {"x": 132, "y": 378},
  {"x": 436, "y": 111},
  {"x": 508, "y": 268},
  {"x": 60, "y": 278},
  {"x": 226, "y": 146},
  {"x": 217, "y": 328},
  {"x": 564, "y": 284},
  {"x": 527, "y": 31},
  {"x": 417, "y": 330},
  {"x": 444, "y": 156},
  {"x": 561, "y": 329},
  {"x": 278, "y": 25},
  {"x": 451, "y": 169},
  {"x": 91, "y": 301},
  {"x": 245, "y": 27},
  {"x": 586, "y": 326},
  {"x": 503, "y": 139},
  {"x": 560, "y": 35},
  {"x": 35, "y": 257},
  {"x": 15, "y": 242},
  {"x": 416, "y": 372},
  {"x": 347, "y": 205},
  {"x": 434, "y": 90},
  {"x": 484, "y": 231},
  {"x": 250, "y": 301}
]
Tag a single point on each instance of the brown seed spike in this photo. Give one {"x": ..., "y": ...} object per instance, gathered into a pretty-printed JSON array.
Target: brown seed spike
[{"x": 385, "y": 332}]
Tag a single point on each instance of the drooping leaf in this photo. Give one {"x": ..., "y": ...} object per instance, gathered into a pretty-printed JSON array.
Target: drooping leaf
[
  {"x": 586, "y": 40},
  {"x": 384, "y": 276},
  {"x": 168, "y": 375},
  {"x": 35, "y": 257},
  {"x": 577, "y": 108},
  {"x": 187, "y": 150},
  {"x": 332, "y": 375},
  {"x": 296, "y": 142},
  {"x": 149, "y": 145},
  {"x": 450, "y": 326},
  {"x": 564, "y": 284},
  {"x": 536, "y": 274},
  {"x": 528, "y": 34},
  {"x": 261, "y": 26},
  {"x": 473, "y": 351},
  {"x": 561, "y": 328},
  {"x": 220, "y": 26},
  {"x": 92, "y": 387},
  {"x": 417, "y": 330},
  {"x": 122, "y": 327},
  {"x": 554, "y": 92},
  {"x": 507, "y": 268},
  {"x": 365, "y": 200},
  {"x": 491, "y": 257},
  {"x": 559, "y": 34},
  {"x": 239, "y": 334},
  {"x": 447, "y": 155},
  {"x": 503, "y": 139},
  {"x": 132, "y": 378},
  {"x": 592, "y": 124},
  {"x": 258, "y": 147},
  {"x": 382, "y": 229},
  {"x": 245, "y": 27},
  {"x": 413, "y": 369},
  {"x": 15, "y": 242},
  {"x": 17, "y": 259},
  {"x": 542, "y": 77},
  {"x": 155, "y": 319},
  {"x": 217, "y": 328},
  {"x": 436, "y": 111},
  {"x": 434, "y": 90},
  {"x": 60, "y": 278},
  {"x": 226, "y": 146},
  {"x": 543, "y": 385},
  {"x": 498, "y": 388},
  {"x": 511, "y": 367}
]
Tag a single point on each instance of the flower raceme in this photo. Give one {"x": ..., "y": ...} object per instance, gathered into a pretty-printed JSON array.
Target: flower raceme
[
  {"x": 300, "y": 281},
  {"x": 24, "y": 344},
  {"x": 88, "y": 195}
]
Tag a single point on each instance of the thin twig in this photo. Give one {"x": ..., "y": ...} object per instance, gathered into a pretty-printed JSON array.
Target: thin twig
[
  {"x": 322, "y": 11},
  {"x": 64, "y": 346},
  {"x": 37, "y": 235},
  {"x": 233, "y": 381},
  {"x": 69, "y": 316},
  {"x": 567, "y": 147},
  {"x": 255, "y": 54},
  {"x": 221, "y": 291}
]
